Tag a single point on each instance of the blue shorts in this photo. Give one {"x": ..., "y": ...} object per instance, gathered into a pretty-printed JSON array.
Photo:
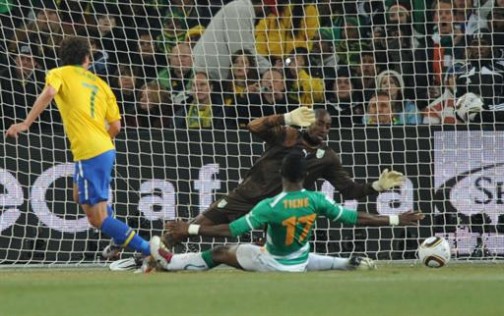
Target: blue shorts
[{"x": 93, "y": 177}]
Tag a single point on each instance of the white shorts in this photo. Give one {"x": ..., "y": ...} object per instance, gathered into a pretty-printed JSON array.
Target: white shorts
[{"x": 255, "y": 258}]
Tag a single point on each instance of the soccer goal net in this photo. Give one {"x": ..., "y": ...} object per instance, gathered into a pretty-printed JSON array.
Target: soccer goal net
[{"x": 414, "y": 86}]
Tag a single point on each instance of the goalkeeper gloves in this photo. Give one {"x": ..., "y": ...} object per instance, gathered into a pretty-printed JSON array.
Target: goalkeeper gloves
[
  {"x": 468, "y": 106},
  {"x": 301, "y": 116},
  {"x": 388, "y": 179}
]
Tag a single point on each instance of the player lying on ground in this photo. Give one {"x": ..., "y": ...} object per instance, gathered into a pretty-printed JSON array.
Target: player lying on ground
[
  {"x": 289, "y": 218},
  {"x": 263, "y": 180},
  {"x": 86, "y": 104}
]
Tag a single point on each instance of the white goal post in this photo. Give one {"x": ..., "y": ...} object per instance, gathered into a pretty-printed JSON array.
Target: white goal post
[{"x": 176, "y": 155}]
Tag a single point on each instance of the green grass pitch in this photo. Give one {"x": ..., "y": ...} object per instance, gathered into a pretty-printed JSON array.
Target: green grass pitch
[{"x": 462, "y": 289}]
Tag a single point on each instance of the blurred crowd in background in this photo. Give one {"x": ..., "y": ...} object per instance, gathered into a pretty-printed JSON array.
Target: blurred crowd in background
[{"x": 214, "y": 64}]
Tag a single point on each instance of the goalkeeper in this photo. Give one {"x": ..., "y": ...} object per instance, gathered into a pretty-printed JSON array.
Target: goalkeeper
[
  {"x": 263, "y": 180},
  {"x": 87, "y": 105},
  {"x": 289, "y": 217}
]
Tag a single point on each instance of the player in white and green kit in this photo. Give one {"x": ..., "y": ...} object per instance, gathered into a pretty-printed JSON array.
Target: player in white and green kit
[{"x": 289, "y": 217}]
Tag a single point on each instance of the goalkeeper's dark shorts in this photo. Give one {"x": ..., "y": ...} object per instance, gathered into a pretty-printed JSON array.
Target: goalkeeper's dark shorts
[{"x": 227, "y": 209}]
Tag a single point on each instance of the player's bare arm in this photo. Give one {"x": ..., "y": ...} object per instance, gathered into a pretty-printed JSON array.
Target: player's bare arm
[
  {"x": 181, "y": 230},
  {"x": 43, "y": 100},
  {"x": 270, "y": 128},
  {"x": 406, "y": 218},
  {"x": 114, "y": 128}
]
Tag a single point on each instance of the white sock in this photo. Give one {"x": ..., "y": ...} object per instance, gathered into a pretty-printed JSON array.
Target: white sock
[
  {"x": 320, "y": 263},
  {"x": 187, "y": 261}
]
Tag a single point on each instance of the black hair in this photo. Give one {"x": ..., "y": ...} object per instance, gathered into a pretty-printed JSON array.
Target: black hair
[
  {"x": 210, "y": 81},
  {"x": 303, "y": 52},
  {"x": 144, "y": 31},
  {"x": 252, "y": 75},
  {"x": 293, "y": 166},
  {"x": 321, "y": 112},
  {"x": 73, "y": 50},
  {"x": 298, "y": 14},
  {"x": 294, "y": 53},
  {"x": 366, "y": 53},
  {"x": 380, "y": 93},
  {"x": 278, "y": 71}
]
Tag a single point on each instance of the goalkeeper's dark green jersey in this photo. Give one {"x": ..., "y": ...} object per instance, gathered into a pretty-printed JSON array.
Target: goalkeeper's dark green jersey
[{"x": 289, "y": 217}]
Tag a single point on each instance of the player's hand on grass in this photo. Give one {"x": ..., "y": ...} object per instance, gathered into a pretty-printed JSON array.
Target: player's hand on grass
[
  {"x": 178, "y": 230},
  {"x": 302, "y": 116},
  {"x": 15, "y": 129},
  {"x": 388, "y": 180},
  {"x": 410, "y": 217}
]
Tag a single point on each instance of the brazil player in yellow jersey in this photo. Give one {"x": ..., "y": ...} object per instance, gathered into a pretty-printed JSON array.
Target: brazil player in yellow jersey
[
  {"x": 289, "y": 217},
  {"x": 91, "y": 119}
]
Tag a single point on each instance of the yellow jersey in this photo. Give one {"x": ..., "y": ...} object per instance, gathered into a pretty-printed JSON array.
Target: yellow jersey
[{"x": 85, "y": 102}]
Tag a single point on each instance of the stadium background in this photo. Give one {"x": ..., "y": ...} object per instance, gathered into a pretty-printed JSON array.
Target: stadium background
[{"x": 170, "y": 158}]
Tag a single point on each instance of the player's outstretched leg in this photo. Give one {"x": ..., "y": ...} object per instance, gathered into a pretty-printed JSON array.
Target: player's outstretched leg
[
  {"x": 121, "y": 233},
  {"x": 124, "y": 236},
  {"x": 321, "y": 263},
  {"x": 189, "y": 261},
  {"x": 91, "y": 191},
  {"x": 112, "y": 250}
]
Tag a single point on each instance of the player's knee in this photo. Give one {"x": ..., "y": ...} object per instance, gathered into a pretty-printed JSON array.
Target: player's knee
[
  {"x": 75, "y": 196},
  {"x": 94, "y": 220},
  {"x": 221, "y": 254},
  {"x": 94, "y": 215}
]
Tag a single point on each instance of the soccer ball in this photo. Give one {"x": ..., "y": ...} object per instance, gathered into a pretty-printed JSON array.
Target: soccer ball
[
  {"x": 434, "y": 252},
  {"x": 468, "y": 106}
]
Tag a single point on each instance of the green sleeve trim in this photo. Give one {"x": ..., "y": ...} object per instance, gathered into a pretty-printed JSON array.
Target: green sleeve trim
[
  {"x": 207, "y": 257},
  {"x": 348, "y": 216},
  {"x": 239, "y": 226}
]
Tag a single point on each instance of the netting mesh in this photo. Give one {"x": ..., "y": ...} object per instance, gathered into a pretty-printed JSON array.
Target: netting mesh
[{"x": 412, "y": 85}]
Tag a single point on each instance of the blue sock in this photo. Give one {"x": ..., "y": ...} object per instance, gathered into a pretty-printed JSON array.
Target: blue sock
[
  {"x": 110, "y": 211},
  {"x": 124, "y": 236}
]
